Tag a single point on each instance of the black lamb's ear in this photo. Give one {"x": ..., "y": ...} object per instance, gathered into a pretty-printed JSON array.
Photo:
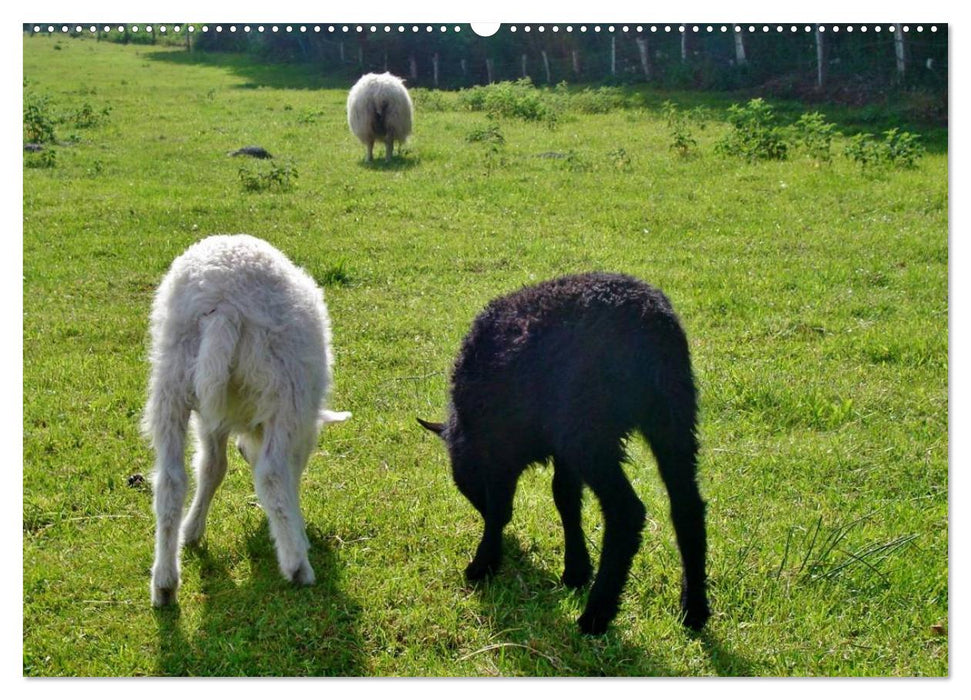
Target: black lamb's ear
[{"x": 436, "y": 428}]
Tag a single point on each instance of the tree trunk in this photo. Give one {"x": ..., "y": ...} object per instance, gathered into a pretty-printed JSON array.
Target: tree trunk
[
  {"x": 613, "y": 55},
  {"x": 524, "y": 65},
  {"x": 489, "y": 70},
  {"x": 575, "y": 56},
  {"x": 546, "y": 67},
  {"x": 435, "y": 69}
]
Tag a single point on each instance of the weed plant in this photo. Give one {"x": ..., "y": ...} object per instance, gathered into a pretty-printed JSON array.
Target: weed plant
[
  {"x": 898, "y": 149},
  {"x": 754, "y": 133},
  {"x": 280, "y": 177}
]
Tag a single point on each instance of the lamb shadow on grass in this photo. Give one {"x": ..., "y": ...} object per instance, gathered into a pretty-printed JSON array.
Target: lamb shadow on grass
[
  {"x": 525, "y": 605},
  {"x": 397, "y": 163},
  {"x": 264, "y": 626}
]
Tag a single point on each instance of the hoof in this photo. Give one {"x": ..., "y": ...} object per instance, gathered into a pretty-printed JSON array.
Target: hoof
[
  {"x": 303, "y": 575},
  {"x": 694, "y": 607},
  {"x": 477, "y": 571},
  {"x": 593, "y": 624},
  {"x": 165, "y": 585},
  {"x": 163, "y": 596},
  {"x": 576, "y": 578},
  {"x": 695, "y": 618},
  {"x": 191, "y": 535}
]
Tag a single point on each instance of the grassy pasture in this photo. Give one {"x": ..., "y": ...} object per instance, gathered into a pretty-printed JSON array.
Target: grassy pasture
[{"x": 814, "y": 296}]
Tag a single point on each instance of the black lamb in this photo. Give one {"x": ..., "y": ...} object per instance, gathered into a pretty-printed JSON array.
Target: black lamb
[{"x": 565, "y": 370}]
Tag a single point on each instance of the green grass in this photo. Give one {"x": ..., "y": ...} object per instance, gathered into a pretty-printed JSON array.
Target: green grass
[{"x": 815, "y": 300}]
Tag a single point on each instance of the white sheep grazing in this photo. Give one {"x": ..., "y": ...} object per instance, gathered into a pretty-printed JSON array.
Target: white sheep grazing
[
  {"x": 379, "y": 108},
  {"x": 240, "y": 339}
]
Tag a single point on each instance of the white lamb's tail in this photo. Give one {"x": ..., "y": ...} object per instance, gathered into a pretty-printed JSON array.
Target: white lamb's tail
[{"x": 219, "y": 336}]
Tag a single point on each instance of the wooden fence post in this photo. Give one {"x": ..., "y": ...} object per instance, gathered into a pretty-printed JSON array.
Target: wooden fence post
[
  {"x": 820, "y": 58},
  {"x": 642, "y": 50},
  {"x": 739, "y": 48},
  {"x": 900, "y": 49}
]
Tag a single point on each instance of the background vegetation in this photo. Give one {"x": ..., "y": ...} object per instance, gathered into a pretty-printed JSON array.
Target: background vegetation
[
  {"x": 813, "y": 289},
  {"x": 860, "y": 62}
]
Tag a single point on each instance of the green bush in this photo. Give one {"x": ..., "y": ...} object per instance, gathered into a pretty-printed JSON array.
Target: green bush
[
  {"x": 620, "y": 158},
  {"x": 902, "y": 148},
  {"x": 815, "y": 135},
  {"x": 87, "y": 116},
  {"x": 487, "y": 134},
  {"x": 41, "y": 159},
  {"x": 598, "y": 100},
  {"x": 515, "y": 99},
  {"x": 39, "y": 120},
  {"x": 680, "y": 123},
  {"x": 754, "y": 134},
  {"x": 280, "y": 177},
  {"x": 898, "y": 149},
  {"x": 430, "y": 100}
]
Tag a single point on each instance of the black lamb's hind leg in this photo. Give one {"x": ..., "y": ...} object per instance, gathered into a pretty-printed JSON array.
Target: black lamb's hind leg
[
  {"x": 677, "y": 462},
  {"x": 624, "y": 517},
  {"x": 567, "y": 494}
]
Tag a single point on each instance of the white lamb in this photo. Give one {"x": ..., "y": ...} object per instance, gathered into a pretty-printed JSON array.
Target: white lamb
[
  {"x": 240, "y": 339},
  {"x": 379, "y": 108}
]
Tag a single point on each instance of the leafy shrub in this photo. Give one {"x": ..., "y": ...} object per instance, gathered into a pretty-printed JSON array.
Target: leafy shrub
[
  {"x": 902, "y": 148},
  {"x": 898, "y": 149},
  {"x": 430, "y": 100},
  {"x": 41, "y": 159},
  {"x": 87, "y": 116},
  {"x": 598, "y": 100},
  {"x": 679, "y": 123},
  {"x": 309, "y": 116},
  {"x": 865, "y": 150},
  {"x": 619, "y": 158},
  {"x": 576, "y": 162},
  {"x": 514, "y": 99},
  {"x": 491, "y": 136},
  {"x": 39, "y": 121},
  {"x": 486, "y": 134},
  {"x": 815, "y": 135},
  {"x": 754, "y": 134},
  {"x": 279, "y": 176}
]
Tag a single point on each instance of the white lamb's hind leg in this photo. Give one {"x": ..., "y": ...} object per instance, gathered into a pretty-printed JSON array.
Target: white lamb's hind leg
[
  {"x": 210, "y": 467},
  {"x": 276, "y": 487},
  {"x": 169, "y": 484}
]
